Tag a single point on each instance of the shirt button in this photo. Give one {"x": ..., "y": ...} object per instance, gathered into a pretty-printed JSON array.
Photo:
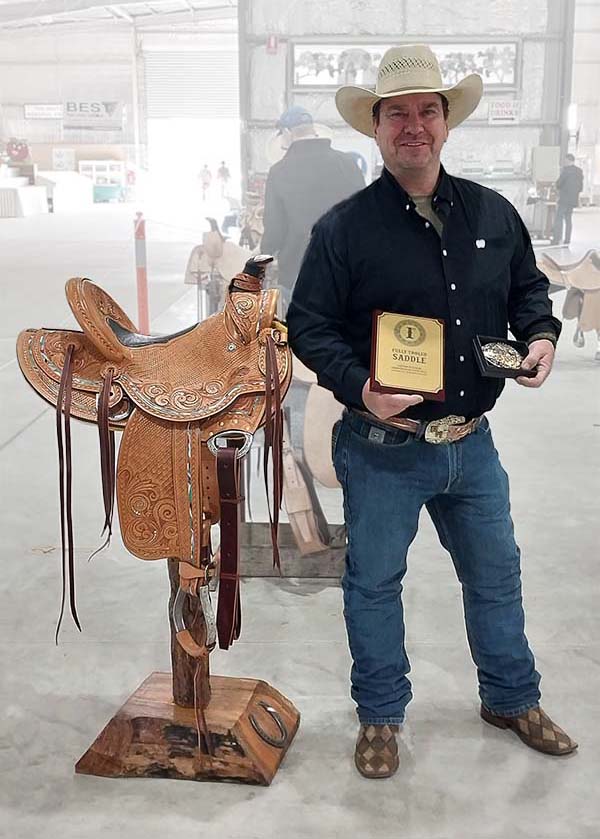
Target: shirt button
[
  {"x": 462, "y": 393},
  {"x": 426, "y": 224},
  {"x": 408, "y": 206},
  {"x": 457, "y": 321},
  {"x": 461, "y": 358},
  {"x": 445, "y": 252},
  {"x": 453, "y": 286}
]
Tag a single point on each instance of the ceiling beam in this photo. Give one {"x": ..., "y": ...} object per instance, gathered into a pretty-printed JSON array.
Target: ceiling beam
[
  {"x": 118, "y": 12},
  {"x": 32, "y": 10}
]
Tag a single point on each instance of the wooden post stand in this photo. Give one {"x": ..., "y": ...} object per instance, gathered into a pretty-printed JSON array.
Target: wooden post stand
[{"x": 154, "y": 734}]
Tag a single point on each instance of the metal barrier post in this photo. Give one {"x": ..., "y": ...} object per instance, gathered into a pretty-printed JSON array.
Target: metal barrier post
[{"x": 139, "y": 226}]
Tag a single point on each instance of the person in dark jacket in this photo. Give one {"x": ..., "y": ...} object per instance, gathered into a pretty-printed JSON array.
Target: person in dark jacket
[
  {"x": 568, "y": 187},
  {"x": 309, "y": 179}
]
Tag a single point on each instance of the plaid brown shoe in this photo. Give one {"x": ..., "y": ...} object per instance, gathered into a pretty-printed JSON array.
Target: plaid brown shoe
[
  {"x": 376, "y": 753},
  {"x": 536, "y": 730}
]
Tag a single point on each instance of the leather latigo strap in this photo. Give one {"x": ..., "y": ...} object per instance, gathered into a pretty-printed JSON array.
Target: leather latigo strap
[{"x": 229, "y": 615}]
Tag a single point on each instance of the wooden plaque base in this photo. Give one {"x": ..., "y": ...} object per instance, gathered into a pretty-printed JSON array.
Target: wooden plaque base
[{"x": 152, "y": 737}]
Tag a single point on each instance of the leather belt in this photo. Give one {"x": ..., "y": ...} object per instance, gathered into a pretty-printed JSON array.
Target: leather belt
[{"x": 445, "y": 430}]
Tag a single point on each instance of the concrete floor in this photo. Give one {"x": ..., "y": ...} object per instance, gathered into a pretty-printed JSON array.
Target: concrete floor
[{"x": 459, "y": 778}]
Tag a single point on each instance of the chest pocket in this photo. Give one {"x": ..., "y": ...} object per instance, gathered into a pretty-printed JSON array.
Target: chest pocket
[{"x": 490, "y": 258}]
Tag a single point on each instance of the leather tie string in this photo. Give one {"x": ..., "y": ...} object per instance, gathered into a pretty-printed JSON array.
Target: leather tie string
[
  {"x": 63, "y": 407},
  {"x": 107, "y": 458},
  {"x": 273, "y": 443},
  {"x": 201, "y": 701}
]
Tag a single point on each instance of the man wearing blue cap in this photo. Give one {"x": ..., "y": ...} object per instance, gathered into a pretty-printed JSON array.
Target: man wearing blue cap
[{"x": 309, "y": 179}]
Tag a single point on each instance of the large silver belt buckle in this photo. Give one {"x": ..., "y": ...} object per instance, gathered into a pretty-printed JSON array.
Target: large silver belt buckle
[{"x": 437, "y": 431}]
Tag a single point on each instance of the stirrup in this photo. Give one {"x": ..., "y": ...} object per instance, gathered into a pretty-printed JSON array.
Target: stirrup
[
  {"x": 183, "y": 634},
  {"x": 220, "y": 441}
]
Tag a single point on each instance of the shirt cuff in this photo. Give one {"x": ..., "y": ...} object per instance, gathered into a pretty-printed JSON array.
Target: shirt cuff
[
  {"x": 547, "y": 336},
  {"x": 354, "y": 381}
]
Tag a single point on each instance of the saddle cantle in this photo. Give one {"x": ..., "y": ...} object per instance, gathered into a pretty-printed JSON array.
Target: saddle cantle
[
  {"x": 583, "y": 273},
  {"x": 188, "y": 405},
  {"x": 582, "y": 281}
]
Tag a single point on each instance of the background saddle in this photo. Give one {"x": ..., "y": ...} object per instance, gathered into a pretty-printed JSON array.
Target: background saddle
[{"x": 582, "y": 281}]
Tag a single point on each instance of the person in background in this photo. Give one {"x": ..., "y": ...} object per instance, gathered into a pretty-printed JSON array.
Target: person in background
[
  {"x": 205, "y": 180},
  {"x": 309, "y": 179},
  {"x": 568, "y": 187},
  {"x": 223, "y": 176}
]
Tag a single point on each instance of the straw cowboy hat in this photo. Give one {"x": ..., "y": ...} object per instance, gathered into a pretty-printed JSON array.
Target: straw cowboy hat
[{"x": 412, "y": 68}]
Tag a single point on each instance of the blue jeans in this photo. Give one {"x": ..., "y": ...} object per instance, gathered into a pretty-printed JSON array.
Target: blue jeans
[
  {"x": 564, "y": 216},
  {"x": 465, "y": 489}
]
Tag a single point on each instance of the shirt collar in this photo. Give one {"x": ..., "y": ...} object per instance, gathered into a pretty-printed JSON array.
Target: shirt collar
[
  {"x": 306, "y": 145},
  {"x": 442, "y": 198}
]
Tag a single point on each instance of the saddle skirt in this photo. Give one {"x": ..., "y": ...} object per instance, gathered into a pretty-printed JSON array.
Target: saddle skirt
[{"x": 176, "y": 398}]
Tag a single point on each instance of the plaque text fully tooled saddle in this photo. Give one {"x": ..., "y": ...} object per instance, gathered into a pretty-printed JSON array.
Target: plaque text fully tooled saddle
[{"x": 188, "y": 405}]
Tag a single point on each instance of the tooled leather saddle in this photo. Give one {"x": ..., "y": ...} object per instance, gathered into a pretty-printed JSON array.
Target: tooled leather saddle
[{"x": 188, "y": 405}]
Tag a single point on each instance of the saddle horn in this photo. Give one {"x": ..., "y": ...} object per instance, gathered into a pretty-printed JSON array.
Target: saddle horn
[{"x": 253, "y": 275}]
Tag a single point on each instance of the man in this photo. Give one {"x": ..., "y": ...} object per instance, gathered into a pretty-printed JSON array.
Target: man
[
  {"x": 223, "y": 176},
  {"x": 420, "y": 242},
  {"x": 568, "y": 187},
  {"x": 309, "y": 179},
  {"x": 205, "y": 180}
]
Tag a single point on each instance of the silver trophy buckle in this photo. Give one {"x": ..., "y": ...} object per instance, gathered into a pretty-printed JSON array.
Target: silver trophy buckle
[{"x": 437, "y": 431}]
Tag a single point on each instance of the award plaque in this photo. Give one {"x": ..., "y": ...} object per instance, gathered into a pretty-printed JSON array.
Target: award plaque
[{"x": 407, "y": 355}]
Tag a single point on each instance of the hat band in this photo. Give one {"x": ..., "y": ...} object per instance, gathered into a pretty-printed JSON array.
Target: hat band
[{"x": 402, "y": 80}]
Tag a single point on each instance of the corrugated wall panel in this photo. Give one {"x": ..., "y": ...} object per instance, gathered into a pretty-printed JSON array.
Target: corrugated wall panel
[{"x": 191, "y": 84}]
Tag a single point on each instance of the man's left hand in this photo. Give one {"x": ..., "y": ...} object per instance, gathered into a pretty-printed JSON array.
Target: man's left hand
[{"x": 541, "y": 355}]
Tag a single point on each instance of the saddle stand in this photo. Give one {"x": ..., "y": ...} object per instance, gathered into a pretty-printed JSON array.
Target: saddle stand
[{"x": 188, "y": 405}]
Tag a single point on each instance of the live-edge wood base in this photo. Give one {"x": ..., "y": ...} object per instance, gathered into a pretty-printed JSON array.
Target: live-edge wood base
[{"x": 152, "y": 737}]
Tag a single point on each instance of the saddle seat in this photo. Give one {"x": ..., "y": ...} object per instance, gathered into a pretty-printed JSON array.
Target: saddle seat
[
  {"x": 134, "y": 339},
  {"x": 583, "y": 274},
  {"x": 210, "y": 368}
]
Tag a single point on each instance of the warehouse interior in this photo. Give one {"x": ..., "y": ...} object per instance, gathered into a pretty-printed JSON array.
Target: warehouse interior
[{"x": 129, "y": 132}]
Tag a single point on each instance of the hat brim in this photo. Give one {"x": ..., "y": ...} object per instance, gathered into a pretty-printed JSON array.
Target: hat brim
[{"x": 355, "y": 104}]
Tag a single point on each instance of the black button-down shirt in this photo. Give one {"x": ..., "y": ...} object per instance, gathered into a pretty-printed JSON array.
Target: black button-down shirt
[{"x": 374, "y": 251}]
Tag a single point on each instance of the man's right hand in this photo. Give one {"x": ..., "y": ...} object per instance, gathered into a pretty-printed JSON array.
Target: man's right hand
[{"x": 385, "y": 405}]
